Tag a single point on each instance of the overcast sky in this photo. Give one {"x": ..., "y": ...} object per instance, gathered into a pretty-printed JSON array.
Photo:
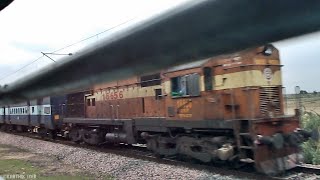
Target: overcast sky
[{"x": 34, "y": 26}]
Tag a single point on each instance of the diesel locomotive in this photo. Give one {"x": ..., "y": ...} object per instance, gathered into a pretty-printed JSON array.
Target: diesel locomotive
[{"x": 227, "y": 108}]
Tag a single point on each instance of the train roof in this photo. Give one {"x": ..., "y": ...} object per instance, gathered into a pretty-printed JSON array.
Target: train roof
[
  {"x": 199, "y": 63},
  {"x": 191, "y": 65}
]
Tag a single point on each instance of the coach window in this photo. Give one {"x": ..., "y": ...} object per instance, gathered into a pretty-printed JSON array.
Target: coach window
[
  {"x": 47, "y": 110},
  {"x": 32, "y": 109},
  {"x": 23, "y": 110},
  {"x": 207, "y": 72},
  {"x": 187, "y": 85},
  {"x": 88, "y": 102}
]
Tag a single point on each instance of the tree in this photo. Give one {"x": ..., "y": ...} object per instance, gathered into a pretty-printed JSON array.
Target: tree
[
  {"x": 303, "y": 92},
  {"x": 311, "y": 148}
]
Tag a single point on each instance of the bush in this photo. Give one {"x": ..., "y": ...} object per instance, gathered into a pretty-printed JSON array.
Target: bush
[{"x": 311, "y": 149}]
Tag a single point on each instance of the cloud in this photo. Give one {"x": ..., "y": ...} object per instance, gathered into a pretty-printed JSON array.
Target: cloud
[
  {"x": 29, "y": 27},
  {"x": 300, "y": 57}
]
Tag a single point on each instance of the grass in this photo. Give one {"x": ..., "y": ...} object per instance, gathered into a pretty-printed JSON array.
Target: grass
[
  {"x": 16, "y": 167},
  {"x": 29, "y": 169}
]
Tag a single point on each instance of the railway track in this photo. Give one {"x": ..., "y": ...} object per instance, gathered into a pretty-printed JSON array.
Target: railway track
[{"x": 140, "y": 152}]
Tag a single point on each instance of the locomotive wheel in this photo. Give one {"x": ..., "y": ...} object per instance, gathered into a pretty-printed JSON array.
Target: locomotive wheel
[
  {"x": 20, "y": 128},
  {"x": 52, "y": 134},
  {"x": 42, "y": 132},
  {"x": 235, "y": 163},
  {"x": 75, "y": 135},
  {"x": 3, "y": 128}
]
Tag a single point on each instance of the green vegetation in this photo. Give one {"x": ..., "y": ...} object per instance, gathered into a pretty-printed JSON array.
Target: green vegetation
[
  {"x": 24, "y": 166},
  {"x": 311, "y": 149},
  {"x": 15, "y": 166},
  {"x": 21, "y": 168}
]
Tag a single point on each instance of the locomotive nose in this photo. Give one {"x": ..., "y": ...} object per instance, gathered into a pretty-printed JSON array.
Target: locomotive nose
[{"x": 295, "y": 138}]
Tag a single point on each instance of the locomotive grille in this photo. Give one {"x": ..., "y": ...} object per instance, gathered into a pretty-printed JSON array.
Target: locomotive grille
[{"x": 270, "y": 101}]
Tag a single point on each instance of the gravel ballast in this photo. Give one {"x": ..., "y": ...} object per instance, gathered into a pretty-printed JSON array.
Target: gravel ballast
[{"x": 120, "y": 167}]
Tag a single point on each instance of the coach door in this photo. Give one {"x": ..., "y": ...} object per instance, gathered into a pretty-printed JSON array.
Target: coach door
[
  {"x": 3, "y": 115},
  {"x": 211, "y": 99},
  {"x": 160, "y": 103},
  {"x": 91, "y": 107}
]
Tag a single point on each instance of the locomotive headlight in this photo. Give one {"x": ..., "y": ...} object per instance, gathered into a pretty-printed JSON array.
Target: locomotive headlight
[{"x": 267, "y": 51}]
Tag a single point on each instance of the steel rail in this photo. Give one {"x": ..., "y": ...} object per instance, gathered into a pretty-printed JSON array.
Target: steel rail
[
  {"x": 194, "y": 30},
  {"x": 311, "y": 169}
]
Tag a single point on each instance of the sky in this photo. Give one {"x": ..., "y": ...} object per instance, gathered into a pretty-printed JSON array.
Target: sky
[{"x": 28, "y": 28}]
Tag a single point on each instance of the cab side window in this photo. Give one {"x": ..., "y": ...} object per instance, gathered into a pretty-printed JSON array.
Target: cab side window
[
  {"x": 207, "y": 72},
  {"x": 186, "y": 85}
]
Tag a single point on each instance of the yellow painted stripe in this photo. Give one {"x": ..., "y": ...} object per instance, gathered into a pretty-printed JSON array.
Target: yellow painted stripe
[
  {"x": 266, "y": 61},
  {"x": 126, "y": 92},
  {"x": 220, "y": 82},
  {"x": 244, "y": 79}
]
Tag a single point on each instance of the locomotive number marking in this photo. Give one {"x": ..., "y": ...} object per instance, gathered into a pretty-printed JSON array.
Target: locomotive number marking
[{"x": 114, "y": 95}]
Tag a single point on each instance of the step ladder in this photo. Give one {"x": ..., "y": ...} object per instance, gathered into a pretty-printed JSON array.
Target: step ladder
[{"x": 242, "y": 132}]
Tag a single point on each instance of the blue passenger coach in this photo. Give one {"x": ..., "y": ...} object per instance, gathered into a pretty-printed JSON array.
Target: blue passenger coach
[{"x": 45, "y": 113}]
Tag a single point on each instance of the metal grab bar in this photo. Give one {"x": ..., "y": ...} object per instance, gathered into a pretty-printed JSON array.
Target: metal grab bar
[{"x": 112, "y": 117}]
